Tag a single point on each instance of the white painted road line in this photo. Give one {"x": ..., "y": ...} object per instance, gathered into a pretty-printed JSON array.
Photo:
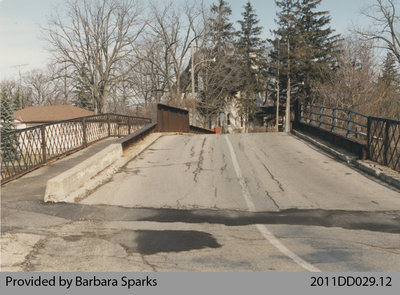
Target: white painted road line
[{"x": 262, "y": 228}]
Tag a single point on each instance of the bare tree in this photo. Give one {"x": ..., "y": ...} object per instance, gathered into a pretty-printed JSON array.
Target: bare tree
[
  {"x": 356, "y": 84},
  {"x": 94, "y": 39},
  {"x": 62, "y": 82},
  {"x": 169, "y": 37},
  {"x": 42, "y": 88},
  {"x": 385, "y": 25},
  {"x": 149, "y": 79}
]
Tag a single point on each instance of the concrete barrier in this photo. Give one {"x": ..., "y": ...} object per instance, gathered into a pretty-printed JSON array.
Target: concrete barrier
[
  {"x": 76, "y": 183},
  {"x": 60, "y": 187}
]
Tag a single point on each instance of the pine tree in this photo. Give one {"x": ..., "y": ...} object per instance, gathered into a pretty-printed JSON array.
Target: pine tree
[
  {"x": 390, "y": 72},
  {"x": 250, "y": 53},
  {"x": 283, "y": 45},
  {"x": 83, "y": 94},
  {"x": 83, "y": 97},
  {"x": 8, "y": 140},
  {"x": 318, "y": 47},
  {"x": 221, "y": 29},
  {"x": 312, "y": 49}
]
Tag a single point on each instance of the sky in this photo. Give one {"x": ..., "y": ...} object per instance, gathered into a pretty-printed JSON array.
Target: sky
[{"x": 23, "y": 49}]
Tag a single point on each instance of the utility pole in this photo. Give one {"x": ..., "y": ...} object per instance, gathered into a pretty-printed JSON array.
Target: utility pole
[
  {"x": 277, "y": 90},
  {"x": 65, "y": 83},
  {"x": 20, "y": 83},
  {"x": 287, "y": 119},
  {"x": 192, "y": 70}
]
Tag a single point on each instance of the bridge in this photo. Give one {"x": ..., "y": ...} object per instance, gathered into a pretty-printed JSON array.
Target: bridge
[{"x": 190, "y": 200}]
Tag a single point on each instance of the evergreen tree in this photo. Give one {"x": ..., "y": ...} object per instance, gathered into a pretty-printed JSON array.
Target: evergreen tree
[
  {"x": 312, "y": 49},
  {"x": 318, "y": 47},
  {"x": 250, "y": 57},
  {"x": 284, "y": 44},
  {"x": 8, "y": 139},
  {"x": 390, "y": 73},
  {"x": 221, "y": 29},
  {"x": 83, "y": 93}
]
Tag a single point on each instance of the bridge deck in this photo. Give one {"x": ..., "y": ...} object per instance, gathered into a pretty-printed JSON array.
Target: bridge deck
[{"x": 251, "y": 202}]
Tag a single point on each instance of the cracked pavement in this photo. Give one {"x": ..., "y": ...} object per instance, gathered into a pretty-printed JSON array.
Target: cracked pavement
[{"x": 179, "y": 207}]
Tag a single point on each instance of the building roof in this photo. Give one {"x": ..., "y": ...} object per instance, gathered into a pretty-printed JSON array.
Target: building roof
[{"x": 43, "y": 114}]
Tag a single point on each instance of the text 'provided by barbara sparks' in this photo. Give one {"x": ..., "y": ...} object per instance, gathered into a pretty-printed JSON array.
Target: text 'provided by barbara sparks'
[{"x": 80, "y": 281}]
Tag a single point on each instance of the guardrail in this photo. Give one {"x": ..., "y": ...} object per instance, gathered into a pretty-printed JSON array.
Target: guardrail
[
  {"x": 345, "y": 122},
  {"x": 380, "y": 137},
  {"x": 384, "y": 142},
  {"x": 27, "y": 149}
]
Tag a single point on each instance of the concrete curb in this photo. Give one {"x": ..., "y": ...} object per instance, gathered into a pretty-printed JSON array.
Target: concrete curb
[
  {"x": 350, "y": 159},
  {"x": 76, "y": 183},
  {"x": 383, "y": 173}
]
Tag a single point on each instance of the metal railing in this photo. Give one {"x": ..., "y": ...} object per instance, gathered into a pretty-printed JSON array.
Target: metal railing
[
  {"x": 344, "y": 122},
  {"x": 27, "y": 149},
  {"x": 381, "y": 136},
  {"x": 384, "y": 142}
]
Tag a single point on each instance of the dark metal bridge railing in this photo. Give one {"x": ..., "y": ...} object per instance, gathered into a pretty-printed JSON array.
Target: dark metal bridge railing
[
  {"x": 27, "y": 149},
  {"x": 345, "y": 122},
  {"x": 380, "y": 136},
  {"x": 384, "y": 142}
]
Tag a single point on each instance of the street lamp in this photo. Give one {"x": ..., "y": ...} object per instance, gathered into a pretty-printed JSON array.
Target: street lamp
[
  {"x": 287, "y": 118},
  {"x": 277, "y": 91}
]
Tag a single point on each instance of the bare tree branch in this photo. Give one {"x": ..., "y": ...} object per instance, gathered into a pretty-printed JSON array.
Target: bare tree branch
[{"x": 93, "y": 39}]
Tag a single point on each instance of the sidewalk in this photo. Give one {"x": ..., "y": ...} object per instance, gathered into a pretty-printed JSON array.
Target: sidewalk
[{"x": 32, "y": 186}]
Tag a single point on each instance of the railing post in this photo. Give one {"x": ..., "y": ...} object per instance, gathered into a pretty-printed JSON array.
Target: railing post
[
  {"x": 386, "y": 143},
  {"x": 43, "y": 145},
  {"x": 109, "y": 125},
  {"x": 129, "y": 125},
  {"x": 296, "y": 114},
  {"x": 333, "y": 120},
  {"x": 84, "y": 132},
  {"x": 321, "y": 110},
  {"x": 302, "y": 112},
  {"x": 369, "y": 137},
  {"x": 349, "y": 124},
  {"x": 118, "y": 126}
]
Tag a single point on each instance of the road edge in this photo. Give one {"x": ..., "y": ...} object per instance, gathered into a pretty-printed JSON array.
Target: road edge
[{"x": 383, "y": 173}]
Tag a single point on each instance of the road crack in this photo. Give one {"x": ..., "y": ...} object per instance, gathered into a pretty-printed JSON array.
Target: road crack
[
  {"x": 199, "y": 167},
  {"x": 272, "y": 200},
  {"x": 26, "y": 264},
  {"x": 152, "y": 266},
  {"x": 270, "y": 173}
]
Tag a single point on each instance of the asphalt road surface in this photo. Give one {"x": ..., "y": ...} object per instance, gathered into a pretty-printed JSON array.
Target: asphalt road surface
[
  {"x": 256, "y": 202},
  {"x": 245, "y": 202}
]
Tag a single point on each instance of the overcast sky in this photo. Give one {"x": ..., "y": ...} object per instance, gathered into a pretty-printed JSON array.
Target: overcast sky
[{"x": 20, "y": 21}]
